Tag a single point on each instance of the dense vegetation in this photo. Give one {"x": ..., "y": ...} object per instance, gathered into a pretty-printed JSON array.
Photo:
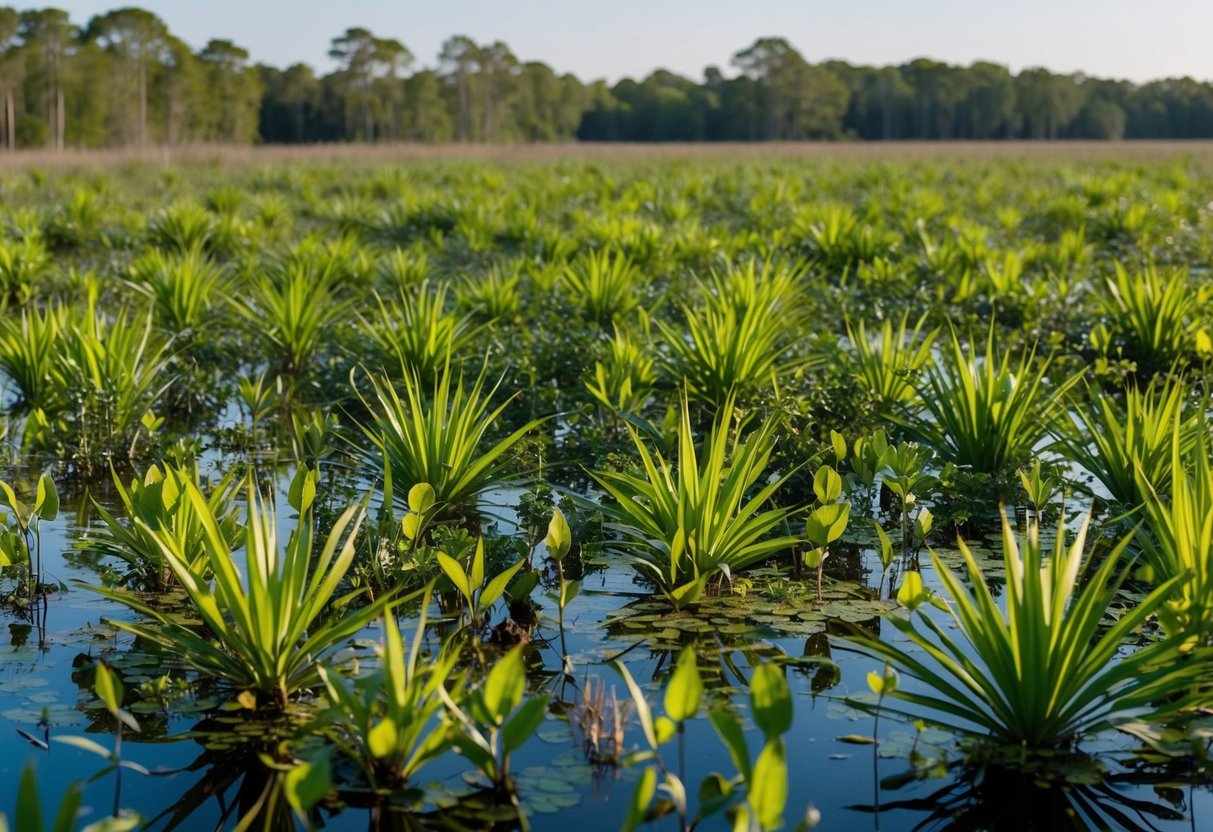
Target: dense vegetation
[
  {"x": 379, "y": 477},
  {"x": 124, "y": 80}
]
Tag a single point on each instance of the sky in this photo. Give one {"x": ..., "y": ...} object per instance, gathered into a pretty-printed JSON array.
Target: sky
[{"x": 1139, "y": 40}]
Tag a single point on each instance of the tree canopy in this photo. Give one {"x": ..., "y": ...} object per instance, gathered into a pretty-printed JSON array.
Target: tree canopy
[{"x": 123, "y": 79}]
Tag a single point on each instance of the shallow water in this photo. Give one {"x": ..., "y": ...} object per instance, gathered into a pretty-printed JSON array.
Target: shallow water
[{"x": 37, "y": 678}]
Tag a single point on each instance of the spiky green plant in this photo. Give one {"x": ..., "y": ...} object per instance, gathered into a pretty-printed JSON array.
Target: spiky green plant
[
  {"x": 183, "y": 227},
  {"x": 889, "y": 367},
  {"x": 388, "y": 721},
  {"x": 1177, "y": 536},
  {"x": 624, "y": 379},
  {"x": 731, "y": 351},
  {"x": 29, "y": 351},
  {"x": 415, "y": 333},
  {"x": 24, "y": 264},
  {"x": 183, "y": 287},
  {"x": 1049, "y": 670},
  {"x": 709, "y": 513},
  {"x": 1155, "y": 317},
  {"x": 988, "y": 412},
  {"x": 442, "y": 440},
  {"x": 1124, "y": 446},
  {"x": 292, "y": 313},
  {"x": 267, "y": 630},
  {"x": 492, "y": 296},
  {"x": 158, "y": 508},
  {"x": 605, "y": 284},
  {"x": 110, "y": 372}
]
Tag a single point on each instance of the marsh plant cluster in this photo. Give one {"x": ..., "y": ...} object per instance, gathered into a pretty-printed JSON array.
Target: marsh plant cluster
[{"x": 387, "y": 478}]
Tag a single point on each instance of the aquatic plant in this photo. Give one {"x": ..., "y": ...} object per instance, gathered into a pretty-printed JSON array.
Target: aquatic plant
[
  {"x": 496, "y": 718},
  {"x": 989, "y": 412},
  {"x": 183, "y": 287},
  {"x": 159, "y": 514},
  {"x": 442, "y": 439},
  {"x": 1126, "y": 445},
  {"x": 1155, "y": 317},
  {"x": 388, "y": 720},
  {"x": 888, "y": 368},
  {"x": 414, "y": 333},
  {"x": 292, "y": 310},
  {"x": 1177, "y": 537},
  {"x": 604, "y": 284},
  {"x": 1047, "y": 672},
  {"x": 706, "y": 515},
  {"x": 268, "y": 631}
]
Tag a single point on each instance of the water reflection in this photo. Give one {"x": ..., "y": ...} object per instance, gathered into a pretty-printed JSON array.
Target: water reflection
[{"x": 1078, "y": 796}]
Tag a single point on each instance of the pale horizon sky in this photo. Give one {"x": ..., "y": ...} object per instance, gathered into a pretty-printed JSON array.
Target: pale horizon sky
[{"x": 1137, "y": 41}]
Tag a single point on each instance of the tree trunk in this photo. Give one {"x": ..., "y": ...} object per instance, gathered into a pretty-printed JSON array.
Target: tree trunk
[
  {"x": 60, "y": 117},
  {"x": 10, "y": 120},
  {"x": 142, "y": 103}
]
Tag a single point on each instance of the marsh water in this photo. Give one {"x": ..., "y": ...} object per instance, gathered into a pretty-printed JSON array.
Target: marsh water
[{"x": 205, "y": 769}]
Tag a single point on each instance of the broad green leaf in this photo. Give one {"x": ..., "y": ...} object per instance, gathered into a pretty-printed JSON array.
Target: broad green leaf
[
  {"x": 410, "y": 524},
  {"x": 840, "y": 445},
  {"x": 306, "y": 784},
  {"x": 496, "y": 587},
  {"x": 768, "y": 787},
  {"x": 46, "y": 504},
  {"x": 524, "y": 723},
  {"x": 559, "y": 539},
  {"x": 302, "y": 492},
  {"x": 885, "y": 549},
  {"x": 29, "y": 807},
  {"x": 421, "y": 497},
  {"x": 108, "y": 688},
  {"x": 504, "y": 686},
  {"x": 827, "y": 485},
  {"x": 728, "y": 728},
  {"x": 771, "y": 700},
  {"x": 382, "y": 739},
  {"x": 827, "y": 523},
  {"x": 642, "y": 796},
  {"x": 453, "y": 569},
  {"x": 913, "y": 593},
  {"x": 685, "y": 688}
]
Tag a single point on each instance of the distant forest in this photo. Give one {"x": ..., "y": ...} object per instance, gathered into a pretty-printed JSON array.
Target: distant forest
[{"x": 124, "y": 80}]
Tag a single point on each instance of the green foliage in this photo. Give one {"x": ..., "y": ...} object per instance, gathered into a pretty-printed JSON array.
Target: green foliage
[
  {"x": 108, "y": 374},
  {"x": 736, "y": 342},
  {"x": 623, "y": 381},
  {"x": 1047, "y": 672},
  {"x": 1155, "y": 318},
  {"x": 1126, "y": 445},
  {"x": 988, "y": 413},
  {"x": 1178, "y": 536},
  {"x": 292, "y": 310},
  {"x": 415, "y": 335},
  {"x": 442, "y": 440},
  {"x": 478, "y": 591},
  {"x": 497, "y": 718},
  {"x": 30, "y": 349},
  {"x": 604, "y": 285},
  {"x": 183, "y": 288},
  {"x": 388, "y": 720},
  {"x": 889, "y": 367},
  {"x": 267, "y": 631},
  {"x": 159, "y": 514},
  {"x": 690, "y": 521},
  {"x": 755, "y": 796}
]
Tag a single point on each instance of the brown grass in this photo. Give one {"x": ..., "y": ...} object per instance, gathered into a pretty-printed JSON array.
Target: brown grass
[{"x": 241, "y": 156}]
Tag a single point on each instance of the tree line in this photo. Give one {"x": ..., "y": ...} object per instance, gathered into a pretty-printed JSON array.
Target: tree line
[{"x": 124, "y": 80}]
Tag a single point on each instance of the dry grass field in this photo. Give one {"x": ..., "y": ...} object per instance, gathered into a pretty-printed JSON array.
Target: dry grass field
[{"x": 849, "y": 151}]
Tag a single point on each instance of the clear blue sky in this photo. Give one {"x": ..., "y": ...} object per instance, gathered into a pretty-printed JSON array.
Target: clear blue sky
[{"x": 1134, "y": 39}]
